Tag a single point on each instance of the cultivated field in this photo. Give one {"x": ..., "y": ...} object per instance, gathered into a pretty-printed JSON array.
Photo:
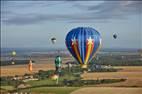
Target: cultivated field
[
  {"x": 40, "y": 64},
  {"x": 108, "y": 90},
  {"x": 133, "y": 74}
]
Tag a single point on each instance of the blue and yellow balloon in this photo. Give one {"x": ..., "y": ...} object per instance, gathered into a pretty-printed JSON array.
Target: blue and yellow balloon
[{"x": 83, "y": 43}]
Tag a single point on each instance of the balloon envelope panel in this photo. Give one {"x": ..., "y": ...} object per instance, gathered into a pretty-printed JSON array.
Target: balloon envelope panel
[{"x": 83, "y": 42}]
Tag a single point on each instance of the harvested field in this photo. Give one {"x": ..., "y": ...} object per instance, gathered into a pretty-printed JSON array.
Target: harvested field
[
  {"x": 108, "y": 90},
  {"x": 132, "y": 74},
  {"x": 130, "y": 68},
  {"x": 22, "y": 69},
  {"x": 41, "y": 64},
  {"x": 113, "y": 75}
]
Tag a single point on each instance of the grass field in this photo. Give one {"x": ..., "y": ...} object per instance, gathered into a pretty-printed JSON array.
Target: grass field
[
  {"x": 108, "y": 90},
  {"x": 41, "y": 82},
  {"x": 52, "y": 90},
  {"x": 48, "y": 81},
  {"x": 7, "y": 87}
]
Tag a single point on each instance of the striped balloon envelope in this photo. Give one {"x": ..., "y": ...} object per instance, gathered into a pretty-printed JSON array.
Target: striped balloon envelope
[{"x": 83, "y": 43}]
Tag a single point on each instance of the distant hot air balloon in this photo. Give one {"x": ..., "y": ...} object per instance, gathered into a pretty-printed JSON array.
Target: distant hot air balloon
[
  {"x": 83, "y": 43},
  {"x": 58, "y": 63},
  {"x": 53, "y": 40},
  {"x": 30, "y": 66},
  {"x": 114, "y": 36},
  {"x": 12, "y": 62},
  {"x": 13, "y": 53}
]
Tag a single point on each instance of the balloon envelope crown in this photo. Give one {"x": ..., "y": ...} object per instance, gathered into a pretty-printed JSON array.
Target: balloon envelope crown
[{"x": 84, "y": 28}]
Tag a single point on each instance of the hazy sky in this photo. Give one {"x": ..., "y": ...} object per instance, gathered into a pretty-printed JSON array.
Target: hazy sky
[{"x": 34, "y": 23}]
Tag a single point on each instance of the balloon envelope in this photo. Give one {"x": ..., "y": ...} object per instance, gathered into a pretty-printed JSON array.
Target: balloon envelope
[{"x": 83, "y": 43}]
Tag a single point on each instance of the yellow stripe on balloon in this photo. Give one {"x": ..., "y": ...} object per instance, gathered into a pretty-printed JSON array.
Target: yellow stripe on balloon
[
  {"x": 77, "y": 53},
  {"x": 88, "y": 53}
]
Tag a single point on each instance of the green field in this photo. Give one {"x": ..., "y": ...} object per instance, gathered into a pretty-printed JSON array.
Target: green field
[
  {"x": 43, "y": 90},
  {"x": 41, "y": 82},
  {"x": 52, "y": 90},
  {"x": 50, "y": 82},
  {"x": 7, "y": 87}
]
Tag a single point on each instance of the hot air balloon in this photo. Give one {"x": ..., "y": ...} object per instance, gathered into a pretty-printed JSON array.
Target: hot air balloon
[
  {"x": 58, "y": 62},
  {"x": 13, "y": 53},
  {"x": 114, "y": 36},
  {"x": 83, "y": 43},
  {"x": 12, "y": 62},
  {"x": 53, "y": 40},
  {"x": 30, "y": 66}
]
